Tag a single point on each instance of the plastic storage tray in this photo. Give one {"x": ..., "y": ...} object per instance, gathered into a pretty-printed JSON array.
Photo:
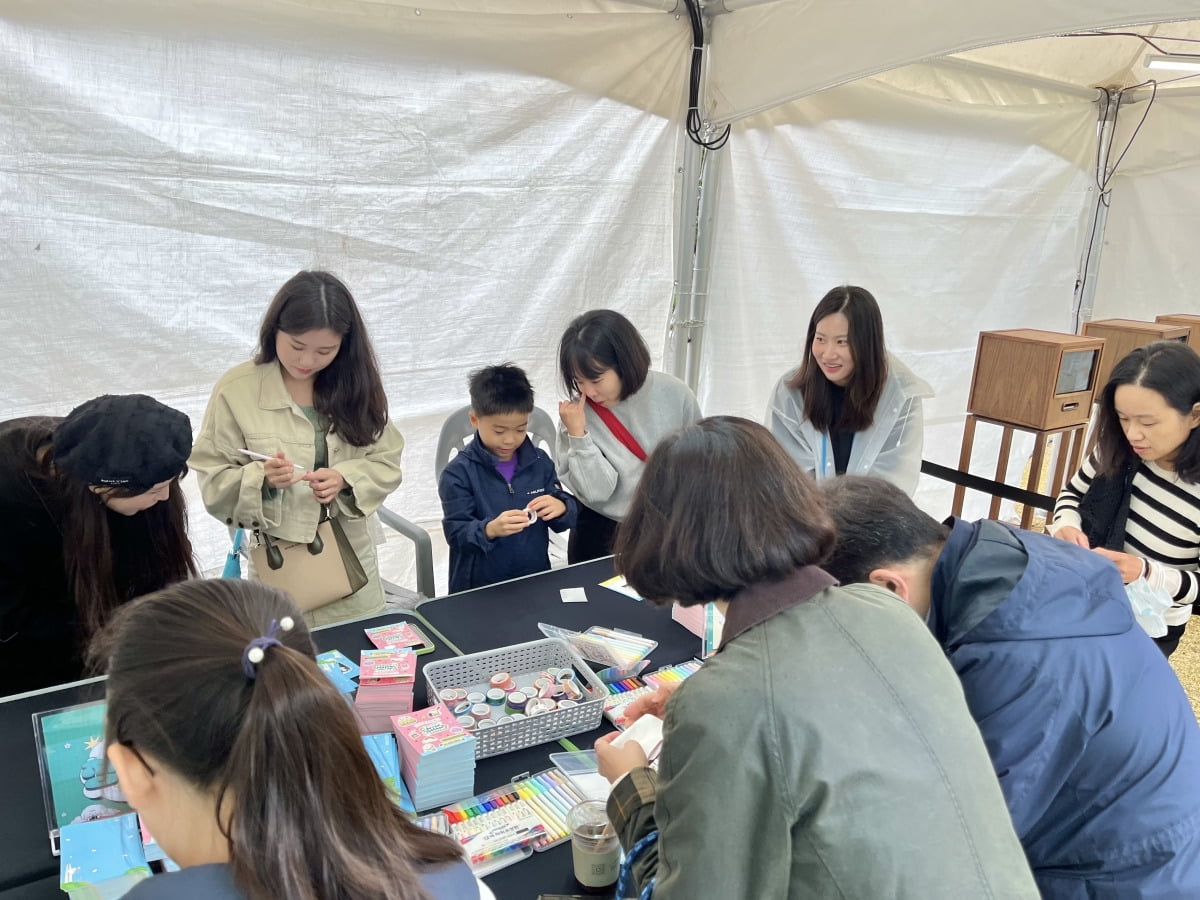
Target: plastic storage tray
[{"x": 475, "y": 669}]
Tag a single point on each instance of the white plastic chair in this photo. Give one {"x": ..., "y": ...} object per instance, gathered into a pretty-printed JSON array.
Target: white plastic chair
[{"x": 457, "y": 430}]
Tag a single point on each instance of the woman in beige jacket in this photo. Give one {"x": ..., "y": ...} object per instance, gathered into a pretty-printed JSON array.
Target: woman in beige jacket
[{"x": 312, "y": 402}]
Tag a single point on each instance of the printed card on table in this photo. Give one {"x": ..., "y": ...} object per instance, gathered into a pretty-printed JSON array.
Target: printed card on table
[
  {"x": 429, "y": 729},
  {"x": 393, "y": 666},
  {"x": 398, "y": 634},
  {"x": 103, "y": 858}
]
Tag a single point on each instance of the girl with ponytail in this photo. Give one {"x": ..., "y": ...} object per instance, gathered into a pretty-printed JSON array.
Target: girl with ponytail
[{"x": 247, "y": 765}]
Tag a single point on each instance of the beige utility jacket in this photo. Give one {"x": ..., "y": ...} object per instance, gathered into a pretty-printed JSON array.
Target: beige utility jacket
[{"x": 250, "y": 408}]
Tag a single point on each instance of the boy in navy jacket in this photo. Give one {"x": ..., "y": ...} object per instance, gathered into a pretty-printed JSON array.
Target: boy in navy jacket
[{"x": 500, "y": 493}]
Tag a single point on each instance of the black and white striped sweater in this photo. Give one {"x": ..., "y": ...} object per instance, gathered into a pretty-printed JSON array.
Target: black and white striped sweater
[{"x": 1163, "y": 528}]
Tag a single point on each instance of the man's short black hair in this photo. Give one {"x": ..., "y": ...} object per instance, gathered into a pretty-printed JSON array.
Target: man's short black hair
[
  {"x": 499, "y": 390},
  {"x": 877, "y": 525}
]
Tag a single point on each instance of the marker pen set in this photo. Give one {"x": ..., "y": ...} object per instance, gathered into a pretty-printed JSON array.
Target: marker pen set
[
  {"x": 506, "y": 824},
  {"x": 622, "y": 693},
  {"x": 606, "y": 646}
]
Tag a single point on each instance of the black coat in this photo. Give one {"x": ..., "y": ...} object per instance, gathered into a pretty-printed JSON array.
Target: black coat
[{"x": 40, "y": 639}]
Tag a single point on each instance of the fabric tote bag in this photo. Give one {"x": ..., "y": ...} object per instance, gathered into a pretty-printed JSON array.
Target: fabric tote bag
[{"x": 313, "y": 574}]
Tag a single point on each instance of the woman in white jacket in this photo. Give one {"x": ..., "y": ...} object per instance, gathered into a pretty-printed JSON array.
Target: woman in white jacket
[{"x": 850, "y": 407}]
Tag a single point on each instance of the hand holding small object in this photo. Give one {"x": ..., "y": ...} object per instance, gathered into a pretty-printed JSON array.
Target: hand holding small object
[
  {"x": 1073, "y": 535},
  {"x": 614, "y": 762},
  {"x": 326, "y": 484},
  {"x": 547, "y": 507},
  {"x": 508, "y": 522},
  {"x": 651, "y": 704},
  {"x": 280, "y": 473},
  {"x": 1131, "y": 567},
  {"x": 570, "y": 412}
]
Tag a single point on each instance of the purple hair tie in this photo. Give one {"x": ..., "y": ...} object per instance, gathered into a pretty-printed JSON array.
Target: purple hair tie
[{"x": 256, "y": 650}]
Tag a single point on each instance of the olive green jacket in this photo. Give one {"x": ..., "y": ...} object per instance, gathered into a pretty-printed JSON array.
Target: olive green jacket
[{"x": 826, "y": 752}]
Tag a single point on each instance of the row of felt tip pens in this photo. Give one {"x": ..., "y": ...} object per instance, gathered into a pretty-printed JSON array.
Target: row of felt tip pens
[
  {"x": 672, "y": 674},
  {"x": 546, "y": 794}
]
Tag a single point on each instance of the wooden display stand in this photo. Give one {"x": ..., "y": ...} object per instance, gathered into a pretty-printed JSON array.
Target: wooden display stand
[
  {"x": 1122, "y": 336},
  {"x": 1035, "y": 379},
  {"x": 1192, "y": 322},
  {"x": 1070, "y": 454},
  {"x": 1039, "y": 382}
]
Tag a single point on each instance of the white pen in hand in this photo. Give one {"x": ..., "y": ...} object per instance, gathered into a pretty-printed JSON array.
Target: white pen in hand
[{"x": 265, "y": 458}]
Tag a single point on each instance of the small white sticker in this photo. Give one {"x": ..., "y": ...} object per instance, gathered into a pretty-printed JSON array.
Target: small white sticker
[{"x": 573, "y": 595}]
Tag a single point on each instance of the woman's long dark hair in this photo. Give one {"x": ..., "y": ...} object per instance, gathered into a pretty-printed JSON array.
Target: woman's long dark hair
[
  {"x": 1172, "y": 369},
  {"x": 111, "y": 558},
  {"x": 870, "y": 362},
  {"x": 305, "y": 812},
  {"x": 349, "y": 391}
]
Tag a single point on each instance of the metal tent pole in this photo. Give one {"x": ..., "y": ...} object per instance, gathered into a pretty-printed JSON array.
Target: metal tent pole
[{"x": 1089, "y": 263}]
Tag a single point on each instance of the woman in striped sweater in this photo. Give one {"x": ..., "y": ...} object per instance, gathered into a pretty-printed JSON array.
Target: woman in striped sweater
[{"x": 1136, "y": 500}]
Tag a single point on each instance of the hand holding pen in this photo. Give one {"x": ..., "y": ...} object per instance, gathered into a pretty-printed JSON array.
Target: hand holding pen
[{"x": 281, "y": 473}]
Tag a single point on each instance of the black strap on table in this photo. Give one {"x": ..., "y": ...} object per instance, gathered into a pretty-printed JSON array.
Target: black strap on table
[{"x": 987, "y": 486}]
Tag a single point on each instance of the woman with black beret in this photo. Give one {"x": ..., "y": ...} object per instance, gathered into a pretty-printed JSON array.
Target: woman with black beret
[{"x": 91, "y": 516}]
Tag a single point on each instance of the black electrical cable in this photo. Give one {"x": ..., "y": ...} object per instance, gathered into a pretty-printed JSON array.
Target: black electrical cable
[
  {"x": 694, "y": 125},
  {"x": 1149, "y": 103}
]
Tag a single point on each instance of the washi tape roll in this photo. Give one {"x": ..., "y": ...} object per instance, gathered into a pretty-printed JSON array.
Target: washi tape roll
[
  {"x": 475, "y": 697},
  {"x": 448, "y": 695},
  {"x": 539, "y": 705},
  {"x": 566, "y": 704},
  {"x": 566, "y": 675},
  {"x": 515, "y": 702},
  {"x": 495, "y": 697},
  {"x": 531, "y": 516},
  {"x": 503, "y": 681},
  {"x": 516, "y": 717},
  {"x": 466, "y": 722},
  {"x": 572, "y": 691},
  {"x": 504, "y": 720},
  {"x": 485, "y": 724},
  {"x": 461, "y": 708},
  {"x": 481, "y": 711}
]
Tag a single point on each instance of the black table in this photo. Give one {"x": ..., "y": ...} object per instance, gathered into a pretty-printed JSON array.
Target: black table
[
  {"x": 509, "y": 613},
  {"x": 481, "y": 619}
]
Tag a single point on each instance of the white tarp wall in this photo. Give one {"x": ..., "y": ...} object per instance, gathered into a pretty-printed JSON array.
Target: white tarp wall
[
  {"x": 165, "y": 166},
  {"x": 958, "y": 198},
  {"x": 1150, "y": 265},
  {"x": 158, "y": 184}
]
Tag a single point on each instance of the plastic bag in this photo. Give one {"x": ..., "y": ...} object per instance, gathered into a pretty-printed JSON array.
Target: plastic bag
[
  {"x": 1149, "y": 606},
  {"x": 233, "y": 561}
]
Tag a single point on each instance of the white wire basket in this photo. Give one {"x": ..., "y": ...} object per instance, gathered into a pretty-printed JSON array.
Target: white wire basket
[{"x": 524, "y": 662}]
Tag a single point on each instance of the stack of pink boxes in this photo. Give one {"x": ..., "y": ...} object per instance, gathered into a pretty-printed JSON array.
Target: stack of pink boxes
[
  {"x": 437, "y": 756},
  {"x": 385, "y": 687}
]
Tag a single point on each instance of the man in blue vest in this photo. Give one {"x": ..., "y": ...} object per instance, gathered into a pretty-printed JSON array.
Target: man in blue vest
[{"x": 1091, "y": 735}]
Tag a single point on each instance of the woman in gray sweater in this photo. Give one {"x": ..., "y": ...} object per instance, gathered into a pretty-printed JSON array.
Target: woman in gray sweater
[{"x": 618, "y": 412}]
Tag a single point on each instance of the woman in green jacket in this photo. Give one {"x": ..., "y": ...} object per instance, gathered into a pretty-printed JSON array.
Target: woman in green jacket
[{"x": 826, "y": 750}]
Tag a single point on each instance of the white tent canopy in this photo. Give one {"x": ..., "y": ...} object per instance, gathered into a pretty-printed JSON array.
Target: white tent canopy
[{"x": 481, "y": 171}]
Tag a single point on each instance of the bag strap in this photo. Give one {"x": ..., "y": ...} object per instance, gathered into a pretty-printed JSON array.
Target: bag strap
[
  {"x": 626, "y": 886},
  {"x": 619, "y": 431}
]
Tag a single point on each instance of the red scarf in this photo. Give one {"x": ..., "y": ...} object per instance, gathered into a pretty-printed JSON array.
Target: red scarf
[{"x": 619, "y": 431}]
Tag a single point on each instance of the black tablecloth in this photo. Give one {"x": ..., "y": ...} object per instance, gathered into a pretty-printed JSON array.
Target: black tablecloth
[{"x": 476, "y": 620}]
